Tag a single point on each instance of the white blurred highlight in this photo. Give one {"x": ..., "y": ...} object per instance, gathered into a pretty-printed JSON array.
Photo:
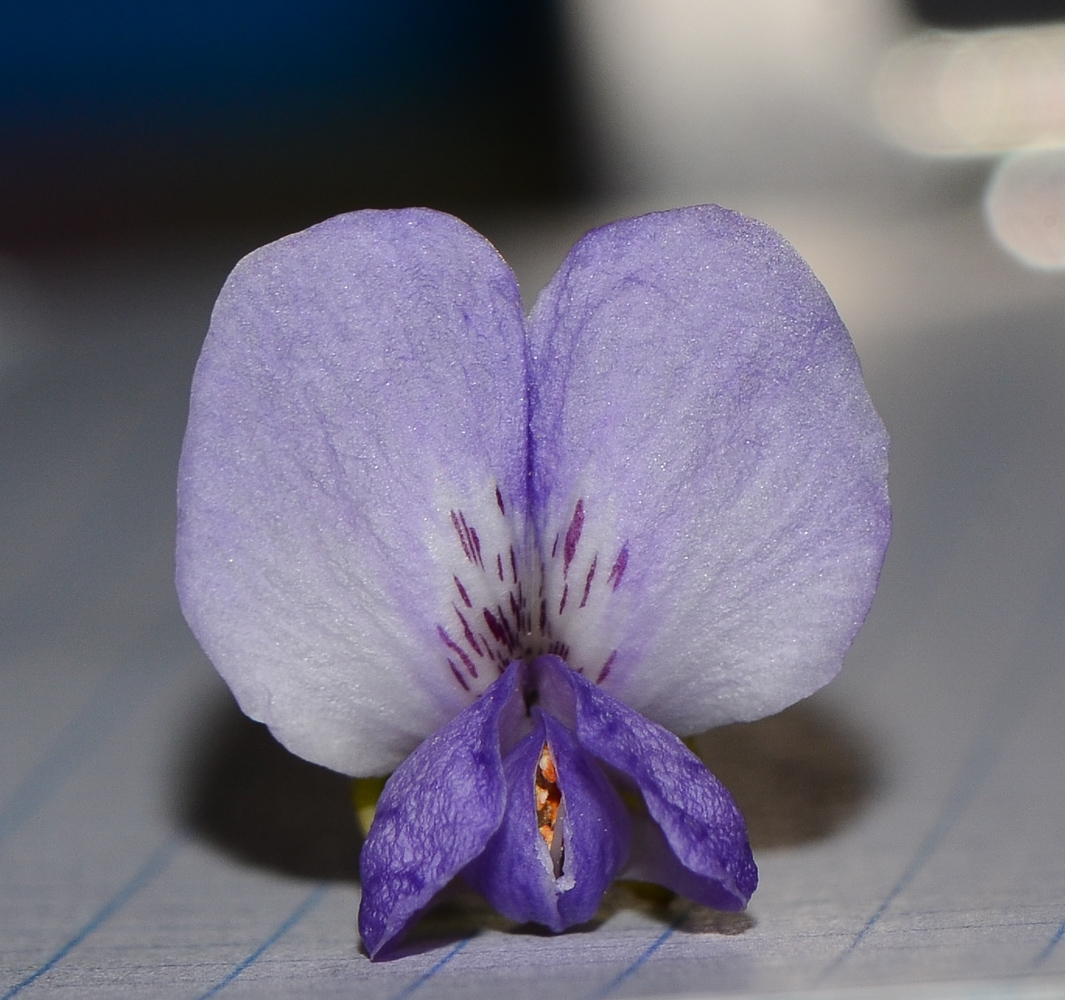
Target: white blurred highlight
[
  {"x": 691, "y": 95},
  {"x": 960, "y": 94},
  {"x": 1025, "y": 206}
]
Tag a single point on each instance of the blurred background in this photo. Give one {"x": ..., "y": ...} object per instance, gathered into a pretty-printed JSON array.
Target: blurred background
[
  {"x": 123, "y": 121},
  {"x": 120, "y": 118}
]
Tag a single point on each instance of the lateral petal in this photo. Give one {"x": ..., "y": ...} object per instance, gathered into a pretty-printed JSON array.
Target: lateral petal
[
  {"x": 353, "y": 471},
  {"x": 709, "y": 858},
  {"x": 709, "y": 475},
  {"x": 436, "y": 813}
]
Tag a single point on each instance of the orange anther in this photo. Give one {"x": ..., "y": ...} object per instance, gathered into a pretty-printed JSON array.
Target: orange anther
[
  {"x": 547, "y": 765},
  {"x": 547, "y": 794}
]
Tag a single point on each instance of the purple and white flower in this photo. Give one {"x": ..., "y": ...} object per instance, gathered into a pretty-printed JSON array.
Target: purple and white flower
[{"x": 509, "y": 558}]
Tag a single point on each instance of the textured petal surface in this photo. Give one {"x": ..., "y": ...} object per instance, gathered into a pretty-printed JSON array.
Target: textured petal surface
[
  {"x": 516, "y": 873},
  {"x": 357, "y": 430},
  {"x": 435, "y": 814},
  {"x": 709, "y": 475},
  {"x": 700, "y": 848}
]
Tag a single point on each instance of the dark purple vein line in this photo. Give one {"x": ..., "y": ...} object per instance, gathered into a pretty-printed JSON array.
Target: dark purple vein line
[{"x": 144, "y": 876}]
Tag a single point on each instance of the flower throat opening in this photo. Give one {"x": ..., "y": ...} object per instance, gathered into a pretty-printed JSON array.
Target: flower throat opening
[{"x": 549, "y": 807}]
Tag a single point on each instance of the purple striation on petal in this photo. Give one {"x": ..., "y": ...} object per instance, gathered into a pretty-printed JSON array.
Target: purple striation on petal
[
  {"x": 458, "y": 675},
  {"x": 436, "y": 813},
  {"x": 604, "y": 671},
  {"x": 618, "y": 569},
  {"x": 467, "y": 632},
  {"x": 573, "y": 536},
  {"x": 462, "y": 592},
  {"x": 463, "y": 535},
  {"x": 458, "y": 650},
  {"x": 694, "y": 391},
  {"x": 588, "y": 580}
]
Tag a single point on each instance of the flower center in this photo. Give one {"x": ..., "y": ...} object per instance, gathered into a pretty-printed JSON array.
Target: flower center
[
  {"x": 548, "y": 795},
  {"x": 510, "y": 604},
  {"x": 549, "y": 807}
]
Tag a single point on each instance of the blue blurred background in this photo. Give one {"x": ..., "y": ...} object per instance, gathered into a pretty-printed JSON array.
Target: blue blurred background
[{"x": 119, "y": 115}]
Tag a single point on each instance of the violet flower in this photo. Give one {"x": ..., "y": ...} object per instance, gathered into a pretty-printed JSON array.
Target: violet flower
[{"x": 509, "y": 558}]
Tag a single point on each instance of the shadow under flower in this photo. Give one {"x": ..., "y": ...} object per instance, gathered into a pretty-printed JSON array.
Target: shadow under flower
[
  {"x": 798, "y": 777},
  {"x": 246, "y": 795},
  {"x": 462, "y": 914}
]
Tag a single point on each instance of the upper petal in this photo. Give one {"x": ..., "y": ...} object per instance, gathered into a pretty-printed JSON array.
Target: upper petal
[
  {"x": 356, "y": 432},
  {"x": 708, "y": 470}
]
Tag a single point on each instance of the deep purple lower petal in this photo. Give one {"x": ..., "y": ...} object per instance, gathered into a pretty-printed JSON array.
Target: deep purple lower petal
[
  {"x": 711, "y": 860},
  {"x": 596, "y": 828},
  {"x": 517, "y": 873},
  {"x": 514, "y": 873},
  {"x": 465, "y": 802},
  {"x": 436, "y": 813},
  {"x": 653, "y": 860}
]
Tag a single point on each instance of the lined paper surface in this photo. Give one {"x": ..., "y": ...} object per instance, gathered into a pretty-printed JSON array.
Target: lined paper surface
[{"x": 909, "y": 821}]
